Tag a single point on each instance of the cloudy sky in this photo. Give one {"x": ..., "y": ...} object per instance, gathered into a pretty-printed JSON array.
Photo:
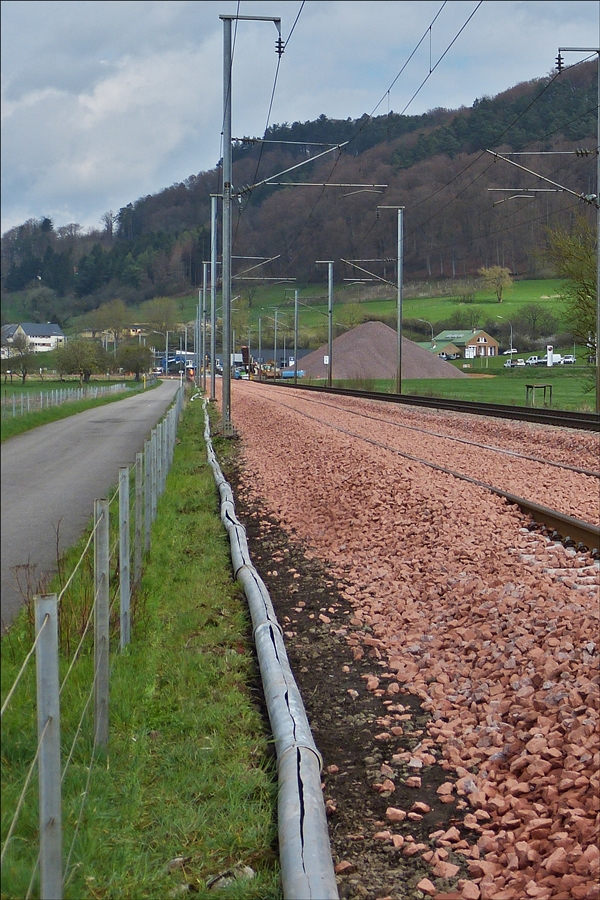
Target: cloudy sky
[{"x": 105, "y": 101}]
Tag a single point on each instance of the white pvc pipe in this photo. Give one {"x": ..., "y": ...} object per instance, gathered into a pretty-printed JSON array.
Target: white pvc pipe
[{"x": 305, "y": 856}]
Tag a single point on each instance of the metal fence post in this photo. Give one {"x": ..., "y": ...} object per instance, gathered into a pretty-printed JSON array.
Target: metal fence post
[
  {"x": 164, "y": 434},
  {"x": 124, "y": 556},
  {"x": 147, "y": 494},
  {"x": 101, "y": 622},
  {"x": 153, "y": 470},
  {"x": 159, "y": 460},
  {"x": 137, "y": 536},
  {"x": 48, "y": 724}
]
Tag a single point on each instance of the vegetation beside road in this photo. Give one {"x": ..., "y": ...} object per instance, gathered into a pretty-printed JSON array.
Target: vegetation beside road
[{"x": 189, "y": 773}]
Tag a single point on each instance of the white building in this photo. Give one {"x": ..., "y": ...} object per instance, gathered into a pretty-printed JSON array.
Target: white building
[{"x": 40, "y": 337}]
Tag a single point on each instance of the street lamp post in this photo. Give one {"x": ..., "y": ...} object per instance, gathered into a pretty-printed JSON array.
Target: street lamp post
[
  {"x": 329, "y": 264},
  {"x": 511, "y": 332},
  {"x": 166, "y": 337},
  {"x": 431, "y": 326}
]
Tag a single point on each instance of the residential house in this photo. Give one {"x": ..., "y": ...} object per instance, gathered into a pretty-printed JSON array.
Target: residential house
[
  {"x": 469, "y": 344},
  {"x": 40, "y": 337}
]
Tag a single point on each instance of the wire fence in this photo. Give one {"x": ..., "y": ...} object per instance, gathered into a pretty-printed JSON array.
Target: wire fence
[
  {"x": 117, "y": 538},
  {"x": 33, "y": 401}
]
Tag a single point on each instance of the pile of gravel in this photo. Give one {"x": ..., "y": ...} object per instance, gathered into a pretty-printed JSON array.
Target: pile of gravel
[{"x": 370, "y": 351}]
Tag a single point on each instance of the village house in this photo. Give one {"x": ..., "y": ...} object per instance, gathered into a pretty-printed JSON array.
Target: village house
[
  {"x": 469, "y": 344},
  {"x": 40, "y": 337}
]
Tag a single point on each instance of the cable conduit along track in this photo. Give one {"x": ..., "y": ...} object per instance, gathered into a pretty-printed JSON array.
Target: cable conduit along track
[
  {"x": 562, "y": 418},
  {"x": 304, "y": 851}
]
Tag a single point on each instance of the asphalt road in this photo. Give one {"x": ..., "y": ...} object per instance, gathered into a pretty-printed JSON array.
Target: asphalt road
[{"x": 50, "y": 477}]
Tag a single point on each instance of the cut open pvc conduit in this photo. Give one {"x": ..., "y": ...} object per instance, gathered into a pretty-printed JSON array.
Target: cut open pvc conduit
[{"x": 304, "y": 851}]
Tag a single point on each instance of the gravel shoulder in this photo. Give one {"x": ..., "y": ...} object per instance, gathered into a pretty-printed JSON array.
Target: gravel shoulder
[{"x": 448, "y": 661}]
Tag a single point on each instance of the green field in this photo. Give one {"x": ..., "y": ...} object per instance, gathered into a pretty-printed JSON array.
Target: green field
[
  {"x": 419, "y": 302},
  {"x": 434, "y": 308},
  {"x": 573, "y": 387}
]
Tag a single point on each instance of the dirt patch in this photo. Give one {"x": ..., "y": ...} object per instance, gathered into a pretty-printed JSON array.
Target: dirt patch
[{"x": 354, "y": 728}]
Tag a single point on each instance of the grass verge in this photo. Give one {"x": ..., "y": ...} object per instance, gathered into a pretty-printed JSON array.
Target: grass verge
[
  {"x": 187, "y": 790},
  {"x": 572, "y": 388}
]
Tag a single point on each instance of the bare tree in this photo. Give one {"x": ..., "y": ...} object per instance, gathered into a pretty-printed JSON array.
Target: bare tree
[{"x": 108, "y": 219}]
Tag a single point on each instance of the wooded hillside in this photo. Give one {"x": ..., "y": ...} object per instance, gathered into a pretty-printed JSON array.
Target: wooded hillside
[{"x": 435, "y": 165}]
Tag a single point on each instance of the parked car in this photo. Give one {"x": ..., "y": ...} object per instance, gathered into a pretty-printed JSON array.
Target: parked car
[
  {"x": 508, "y": 352},
  {"x": 543, "y": 360},
  {"x": 567, "y": 360},
  {"x": 532, "y": 361},
  {"x": 520, "y": 362},
  {"x": 510, "y": 364}
]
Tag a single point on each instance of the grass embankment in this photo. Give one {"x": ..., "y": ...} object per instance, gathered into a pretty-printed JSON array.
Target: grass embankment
[
  {"x": 11, "y": 427},
  {"x": 189, "y": 773},
  {"x": 573, "y": 387},
  {"x": 570, "y": 389}
]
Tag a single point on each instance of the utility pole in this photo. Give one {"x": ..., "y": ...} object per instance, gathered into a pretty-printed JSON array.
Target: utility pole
[
  {"x": 296, "y": 337},
  {"x": 213, "y": 295},
  {"x": 202, "y": 335},
  {"x": 591, "y": 198},
  {"x": 329, "y": 264},
  {"x": 227, "y": 173},
  {"x": 559, "y": 66},
  {"x": 400, "y": 278},
  {"x": 227, "y": 193}
]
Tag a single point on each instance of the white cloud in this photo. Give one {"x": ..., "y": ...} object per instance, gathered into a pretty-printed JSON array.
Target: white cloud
[{"x": 107, "y": 101}]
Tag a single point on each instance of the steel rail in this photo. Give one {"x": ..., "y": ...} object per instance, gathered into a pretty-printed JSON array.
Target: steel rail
[
  {"x": 592, "y": 473},
  {"x": 562, "y": 527},
  {"x": 555, "y": 417}
]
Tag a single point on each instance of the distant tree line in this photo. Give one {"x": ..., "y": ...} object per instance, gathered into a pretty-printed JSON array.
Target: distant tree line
[{"x": 432, "y": 163}]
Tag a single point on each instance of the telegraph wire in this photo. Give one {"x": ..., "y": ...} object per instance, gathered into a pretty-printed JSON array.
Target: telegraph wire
[
  {"x": 499, "y": 137},
  {"x": 368, "y": 120},
  {"x": 240, "y": 210},
  {"x": 481, "y": 155},
  {"x": 287, "y": 40},
  {"x": 428, "y": 31},
  {"x": 431, "y": 71}
]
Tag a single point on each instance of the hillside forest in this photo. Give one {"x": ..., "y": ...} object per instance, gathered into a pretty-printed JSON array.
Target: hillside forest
[{"x": 458, "y": 214}]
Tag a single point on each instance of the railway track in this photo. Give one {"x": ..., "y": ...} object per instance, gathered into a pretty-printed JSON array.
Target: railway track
[
  {"x": 447, "y": 653},
  {"x": 562, "y": 418},
  {"x": 569, "y": 530}
]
